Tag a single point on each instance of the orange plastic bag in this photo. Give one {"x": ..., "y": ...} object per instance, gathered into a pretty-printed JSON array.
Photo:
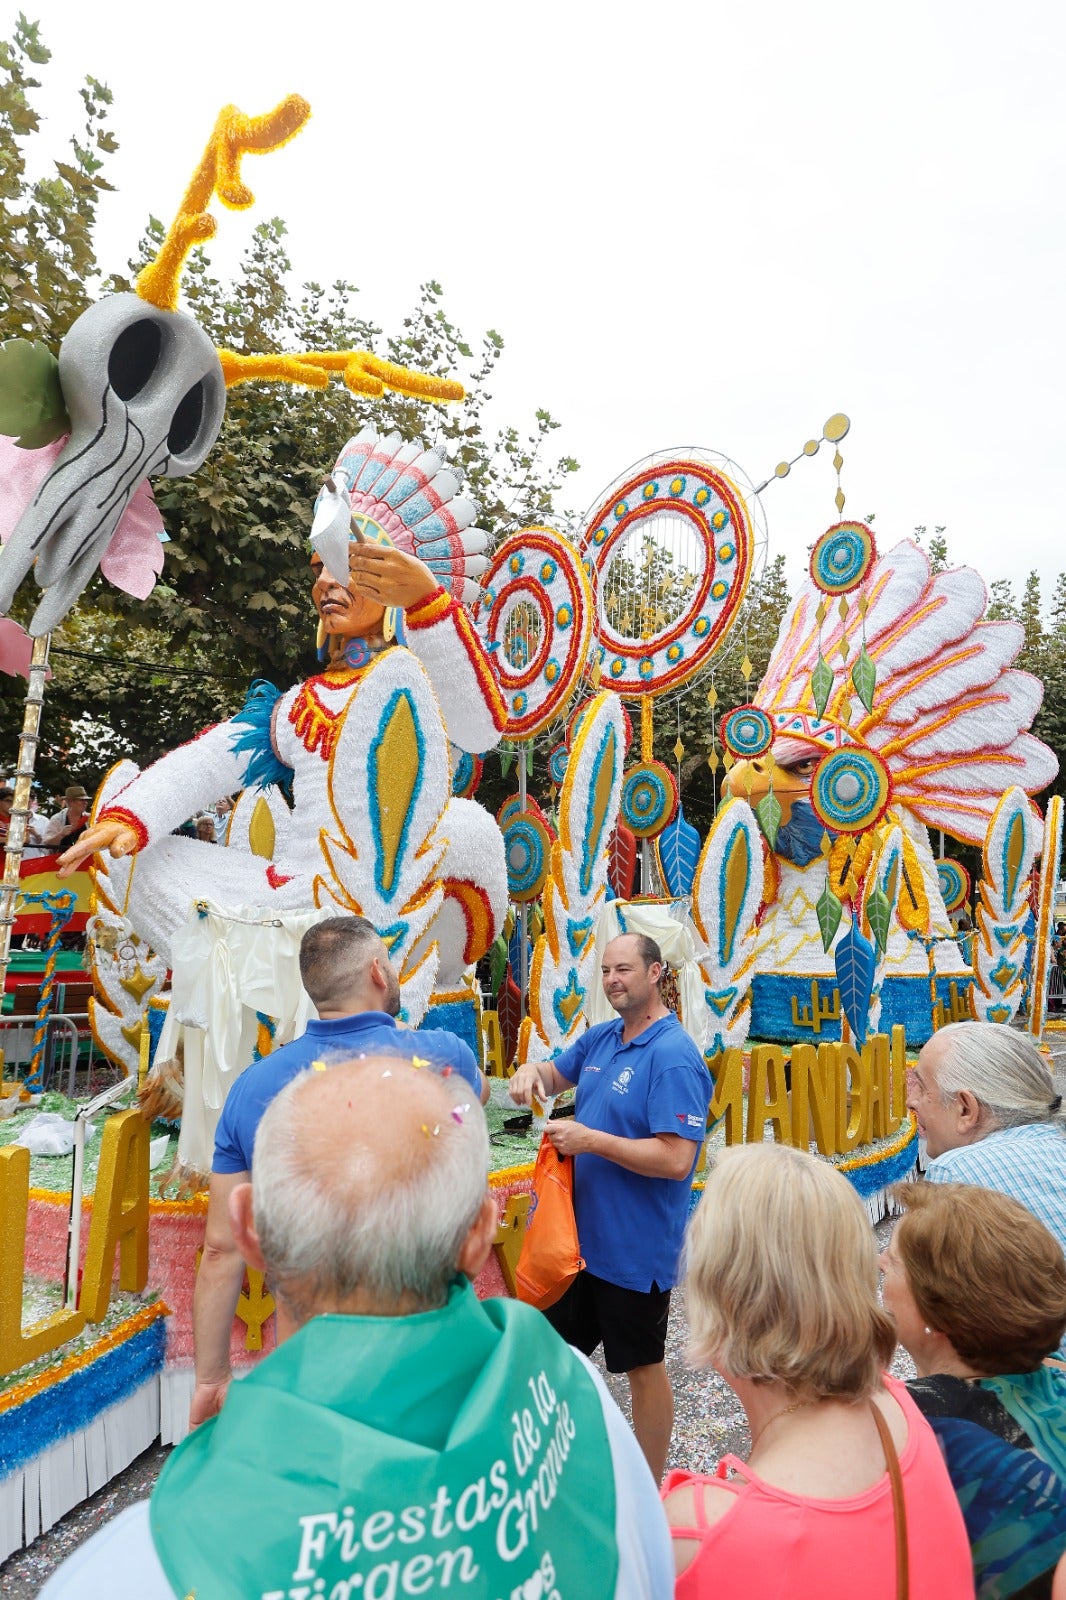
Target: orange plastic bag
[{"x": 549, "y": 1260}]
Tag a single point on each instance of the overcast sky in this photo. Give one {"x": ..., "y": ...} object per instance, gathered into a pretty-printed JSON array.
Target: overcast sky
[{"x": 693, "y": 224}]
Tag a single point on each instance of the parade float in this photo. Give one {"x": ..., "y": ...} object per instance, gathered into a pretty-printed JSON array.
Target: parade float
[{"x": 807, "y": 933}]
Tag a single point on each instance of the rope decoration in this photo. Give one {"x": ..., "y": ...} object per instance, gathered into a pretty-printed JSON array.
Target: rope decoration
[{"x": 60, "y": 903}]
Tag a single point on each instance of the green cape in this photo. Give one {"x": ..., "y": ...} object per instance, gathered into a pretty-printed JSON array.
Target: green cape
[{"x": 461, "y": 1451}]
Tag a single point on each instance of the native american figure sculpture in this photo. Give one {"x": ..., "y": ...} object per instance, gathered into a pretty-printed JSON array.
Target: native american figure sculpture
[
  {"x": 916, "y": 700},
  {"x": 362, "y": 750}
]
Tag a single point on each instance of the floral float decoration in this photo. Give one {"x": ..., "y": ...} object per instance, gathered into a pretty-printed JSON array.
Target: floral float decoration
[
  {"x": 1000, "y": 949},
  {"x": 893, "y": 703}
]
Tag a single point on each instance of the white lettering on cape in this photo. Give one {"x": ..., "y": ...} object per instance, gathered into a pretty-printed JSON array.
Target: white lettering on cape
[{"x": 372, "y": 1545}]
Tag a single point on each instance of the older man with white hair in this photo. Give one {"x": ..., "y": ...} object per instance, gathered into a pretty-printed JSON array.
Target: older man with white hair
[
  {"x": 405, "y": 1438},
  {"x": 989, "y": 1112}
]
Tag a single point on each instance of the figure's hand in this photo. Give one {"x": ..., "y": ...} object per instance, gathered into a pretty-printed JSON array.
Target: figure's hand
[
  {"x": 525, "y": 1081},
  {"x": 207, "y": 1399},
  {"x": 389, "y": 577},
  {"x": 113, "y": 836},
  {"x": 570, "y": 1138}
]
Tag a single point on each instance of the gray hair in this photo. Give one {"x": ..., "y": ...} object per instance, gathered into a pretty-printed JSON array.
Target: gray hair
[
  {"x": 386, "y": 1217},
  {"x": 1002, "y": 1068}
]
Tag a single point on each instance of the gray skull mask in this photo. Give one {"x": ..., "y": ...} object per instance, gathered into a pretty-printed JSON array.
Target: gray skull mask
[{"x": 146, "y": 395}]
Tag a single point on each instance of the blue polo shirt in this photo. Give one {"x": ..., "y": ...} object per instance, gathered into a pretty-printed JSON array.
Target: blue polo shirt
[
  {"x": 631, "y": 1228},
  {"x": 369, "y": 1032}
]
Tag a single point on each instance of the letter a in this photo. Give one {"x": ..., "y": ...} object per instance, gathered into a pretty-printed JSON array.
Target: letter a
[{"x": 120, "y": 1214}]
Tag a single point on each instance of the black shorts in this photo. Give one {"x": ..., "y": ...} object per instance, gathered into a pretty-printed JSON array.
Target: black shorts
[{"x": 630, "y": 1324}]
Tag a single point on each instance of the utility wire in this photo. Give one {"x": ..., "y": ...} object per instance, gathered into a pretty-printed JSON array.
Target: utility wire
[{"x": 149, "y": 666}]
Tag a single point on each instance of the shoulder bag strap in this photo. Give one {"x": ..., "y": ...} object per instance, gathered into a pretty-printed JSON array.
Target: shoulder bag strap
[{"x": 899, "y": 1509}]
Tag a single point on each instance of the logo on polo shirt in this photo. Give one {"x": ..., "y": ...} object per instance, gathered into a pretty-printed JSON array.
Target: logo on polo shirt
[
  {"x": 689, "y": 1120},
  {"x": 623, "y": 1080}
]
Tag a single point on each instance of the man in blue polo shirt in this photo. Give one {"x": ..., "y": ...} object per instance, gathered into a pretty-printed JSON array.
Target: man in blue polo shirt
[
  {"x": 346, "y": 971},
  {"x": 643, "y": 1092}
]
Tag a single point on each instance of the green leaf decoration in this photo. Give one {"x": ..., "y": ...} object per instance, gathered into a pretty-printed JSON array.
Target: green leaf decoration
[
  {"x": 768, "y": 816},
  {"x": 829, "y": 909},
  {"x": 497, "y": 964},
  {"x": 878, "y": 915},
  {"x": 31, "y": 401},
  {"x": 822, "y": 684},
  {"x": 506, "y": 753},
  {"x": 864, "y": 678},
  {"x": 529, "y": 758}
]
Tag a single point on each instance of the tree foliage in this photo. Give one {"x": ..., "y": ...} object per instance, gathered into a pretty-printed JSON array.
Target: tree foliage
[{"x": 138, "y": 677}]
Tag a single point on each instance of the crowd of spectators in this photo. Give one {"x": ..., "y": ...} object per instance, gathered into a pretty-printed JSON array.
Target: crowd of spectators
[{"x": 409, "y": 1438}]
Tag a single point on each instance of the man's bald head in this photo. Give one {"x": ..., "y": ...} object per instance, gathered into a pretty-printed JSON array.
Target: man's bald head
[{"x": 367, "y": 1178}]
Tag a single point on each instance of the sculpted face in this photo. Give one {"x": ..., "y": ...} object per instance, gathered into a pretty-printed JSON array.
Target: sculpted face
[
  {"x": 789, "y": 783},
  {"x": 344, "y": 614}
]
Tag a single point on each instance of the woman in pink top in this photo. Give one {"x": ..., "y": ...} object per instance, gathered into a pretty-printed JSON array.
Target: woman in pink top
[{"x": 781, "y": 1293}]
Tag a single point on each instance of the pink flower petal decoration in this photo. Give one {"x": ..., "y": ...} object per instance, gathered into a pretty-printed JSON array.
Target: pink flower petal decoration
[
  {"x": 133, "y": 559},
  {"x": 16, "y": 647},
  {"x": 21, "y": 474}
]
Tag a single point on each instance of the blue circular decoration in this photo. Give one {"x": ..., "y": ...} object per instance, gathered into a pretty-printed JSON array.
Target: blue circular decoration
[
  {"x": 467, "y": 775},
  {"x": 649, "y": 799},
  {"x": 850, "y": 790},
  {"x": 954, "y": 882},
  {"x": 842, "y": 557},
  {"x": 557, "y": 763},
  {"x": 527, "y": 849},
  {"x": 747, "y": 732}
]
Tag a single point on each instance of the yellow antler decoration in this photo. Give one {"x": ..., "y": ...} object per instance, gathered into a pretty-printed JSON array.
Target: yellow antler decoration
[
  {"x": 218, "y": 173},
  {"x": 363, "y": 372}
]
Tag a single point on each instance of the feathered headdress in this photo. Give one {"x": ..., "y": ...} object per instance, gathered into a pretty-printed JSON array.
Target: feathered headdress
[
  {"x": 403, "y": 493},
  {"x": 949, "y": 715}
]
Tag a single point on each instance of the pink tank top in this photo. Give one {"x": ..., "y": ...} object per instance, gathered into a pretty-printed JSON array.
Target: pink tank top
[{"x": 782, "y": 1546}]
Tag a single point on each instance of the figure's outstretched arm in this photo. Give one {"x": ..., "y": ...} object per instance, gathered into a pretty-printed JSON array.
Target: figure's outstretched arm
[
  {"x": 164, "y": 796},
  {"x": 442, "y": 636},
  {"x": 439, "y": 632}
]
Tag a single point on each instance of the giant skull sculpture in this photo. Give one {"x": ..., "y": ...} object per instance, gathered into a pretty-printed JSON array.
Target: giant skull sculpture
[{"x": 145, "y": 393}]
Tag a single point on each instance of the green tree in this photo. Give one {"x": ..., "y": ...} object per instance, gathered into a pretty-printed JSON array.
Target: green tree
[{"x": 138, "y": 677}]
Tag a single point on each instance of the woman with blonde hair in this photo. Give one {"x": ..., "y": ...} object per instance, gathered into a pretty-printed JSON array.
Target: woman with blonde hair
[{"x": 844, "y": 1481}]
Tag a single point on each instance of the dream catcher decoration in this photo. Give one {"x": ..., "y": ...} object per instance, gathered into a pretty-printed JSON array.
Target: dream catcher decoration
[
  {"x": 534, "y": 617},
  {"x": 669, "y": 549}
]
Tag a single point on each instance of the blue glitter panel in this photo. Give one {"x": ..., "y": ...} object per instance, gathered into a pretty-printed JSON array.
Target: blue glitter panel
[
  {"x": 69, "y": 1406},
  {"x": 904, "y": 1002},
  {"x": 460, "y": 1017},
  {"x": 156, "y": 1018}
]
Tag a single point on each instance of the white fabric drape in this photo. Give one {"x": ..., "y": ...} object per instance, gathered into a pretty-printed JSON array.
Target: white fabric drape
[
  {"x": 228, "y": 966},
  {"x": 672, "y": 929}
]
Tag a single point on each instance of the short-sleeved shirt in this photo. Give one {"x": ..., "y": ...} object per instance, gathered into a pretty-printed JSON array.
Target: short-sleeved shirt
[
  {"x": 1028, "y": 1163},
  {"x": 336, "y": 1040},
  {"x": 630, "y": 1228}
]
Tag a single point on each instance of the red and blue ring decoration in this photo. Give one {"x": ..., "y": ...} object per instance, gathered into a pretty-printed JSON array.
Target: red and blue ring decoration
[
  {"x": 747, "y": 732},
  {"x": 715, "y": 511},
  {"x": 954, "y": 882},
  {"x": 536, "y": 671},
  {"x": 851, "y": 790},
  {"x": 527, "y": 850},
  {"x": 466, "y": 774},
  {"x": 843, "y": 557},
  {"x": 649, "y": 799}
]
